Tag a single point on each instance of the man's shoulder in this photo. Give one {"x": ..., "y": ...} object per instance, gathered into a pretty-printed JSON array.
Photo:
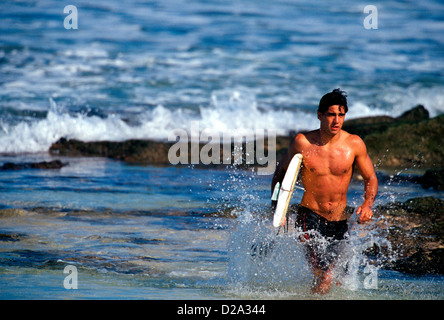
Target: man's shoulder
[
  {"x": 301, "y": 141},
  {"x": 352, "y": 138},
  {"x": 354, "y": 141},
  {"x": 303, "y": 137}
]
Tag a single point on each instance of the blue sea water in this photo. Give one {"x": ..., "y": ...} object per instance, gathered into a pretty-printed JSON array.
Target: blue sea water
[
  {"x": 146, "y": 232},
  {"x": 140, "y": 69}
]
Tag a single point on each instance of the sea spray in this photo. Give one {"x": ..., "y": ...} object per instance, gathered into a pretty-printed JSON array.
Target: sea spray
[
  {"x": 365, "y": 251},
  {"x": 264, "y": 264}
]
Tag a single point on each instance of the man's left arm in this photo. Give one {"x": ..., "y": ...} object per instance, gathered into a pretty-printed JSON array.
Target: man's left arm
[{"x": 365, "y": 167}]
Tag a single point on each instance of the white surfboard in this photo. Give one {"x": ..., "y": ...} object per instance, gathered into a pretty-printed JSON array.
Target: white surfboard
[{"x": 286, "y": 190}]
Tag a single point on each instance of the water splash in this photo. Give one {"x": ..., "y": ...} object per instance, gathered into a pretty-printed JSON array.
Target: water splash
[
  {"x": 365, "y": 252},
  {"x": 264, "y": 263}
]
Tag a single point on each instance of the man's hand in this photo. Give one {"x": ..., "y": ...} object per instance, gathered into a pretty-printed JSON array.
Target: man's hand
[{"x": 365, "y": 212}]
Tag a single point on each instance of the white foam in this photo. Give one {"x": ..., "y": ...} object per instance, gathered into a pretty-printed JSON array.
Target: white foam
[
  {"x": 360, "y": 109},
  {"x": 233, "y": 111},
  {"x": 229, "y": 111},
  {"x": 238, "y": 109},
  {"x": 402, "y": 100}
]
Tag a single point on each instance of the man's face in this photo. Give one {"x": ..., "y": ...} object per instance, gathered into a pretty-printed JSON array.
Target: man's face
[{"x": 333, "y": 119}]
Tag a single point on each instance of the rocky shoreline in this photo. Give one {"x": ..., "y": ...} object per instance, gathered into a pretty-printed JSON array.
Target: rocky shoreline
[
  {"x": 412, "y": 141},
  {"x": 415, "y": 231}
]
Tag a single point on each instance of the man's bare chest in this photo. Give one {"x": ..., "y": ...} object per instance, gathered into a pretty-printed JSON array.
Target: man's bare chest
[{"x": 328, "y": 161}]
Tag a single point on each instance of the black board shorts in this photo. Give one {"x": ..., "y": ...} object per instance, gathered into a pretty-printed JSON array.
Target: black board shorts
[{"x": 323, "y": 237}]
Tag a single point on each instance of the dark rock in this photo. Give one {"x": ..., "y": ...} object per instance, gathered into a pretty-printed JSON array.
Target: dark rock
[
  {"x": 417, "y": 114},
  {"x": 410, "y": 140},
  {"x": 149, "y": 152},
  {"x": 433, "y": 178},
  {"x": 415, "y": 229},
  {"x": 426, "y": 206},
  {"x": 368, "y": 125},
  {"x": 408, "y": 145},
  {"x": 56, "y": 164},
  {"x": 134, "y": 151},
  {"x": 12, "y": 212},
  {"x": 422, "y": 262},
  {"x": 11, "y": 237},
  {"x": 377, "y": 124}
]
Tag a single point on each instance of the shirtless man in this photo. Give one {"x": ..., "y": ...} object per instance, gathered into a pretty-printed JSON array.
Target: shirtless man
[{"x": 329, "y": 155}]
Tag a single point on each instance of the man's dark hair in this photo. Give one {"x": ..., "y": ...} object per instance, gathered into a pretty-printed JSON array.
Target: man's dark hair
[{"x": 336, "y": 97}]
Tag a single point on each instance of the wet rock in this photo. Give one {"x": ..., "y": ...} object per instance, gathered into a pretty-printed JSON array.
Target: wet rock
[
  {"x": 11, "y": 237},
  {"x": 155, "y": 152},
  {"x": 410, "y": 140},
  {"x": 12, "y": 212},
  {"x": 409, "y": 145},
  {"x": 416, "y": 114},
  {"x": 377, "y": 124},
  {"x": 422, "y": 262},
  {"x": 56, "y": 164},
  {"x": 135, "y": 151},
  {"x": 368, "y": 125},
  {"x": 427, "y": 207},
  {"x": 433, "y": 178},
  {"x": 416, "y": 233}
]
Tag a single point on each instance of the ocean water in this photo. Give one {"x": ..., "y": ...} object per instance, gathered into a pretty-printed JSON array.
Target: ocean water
[
  {"x": 146, "y": 232},
  {"x": 139, "y": 70}
]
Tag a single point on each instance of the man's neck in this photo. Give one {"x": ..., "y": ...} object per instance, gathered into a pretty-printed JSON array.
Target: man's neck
[{"x": 328, "y": 138}]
